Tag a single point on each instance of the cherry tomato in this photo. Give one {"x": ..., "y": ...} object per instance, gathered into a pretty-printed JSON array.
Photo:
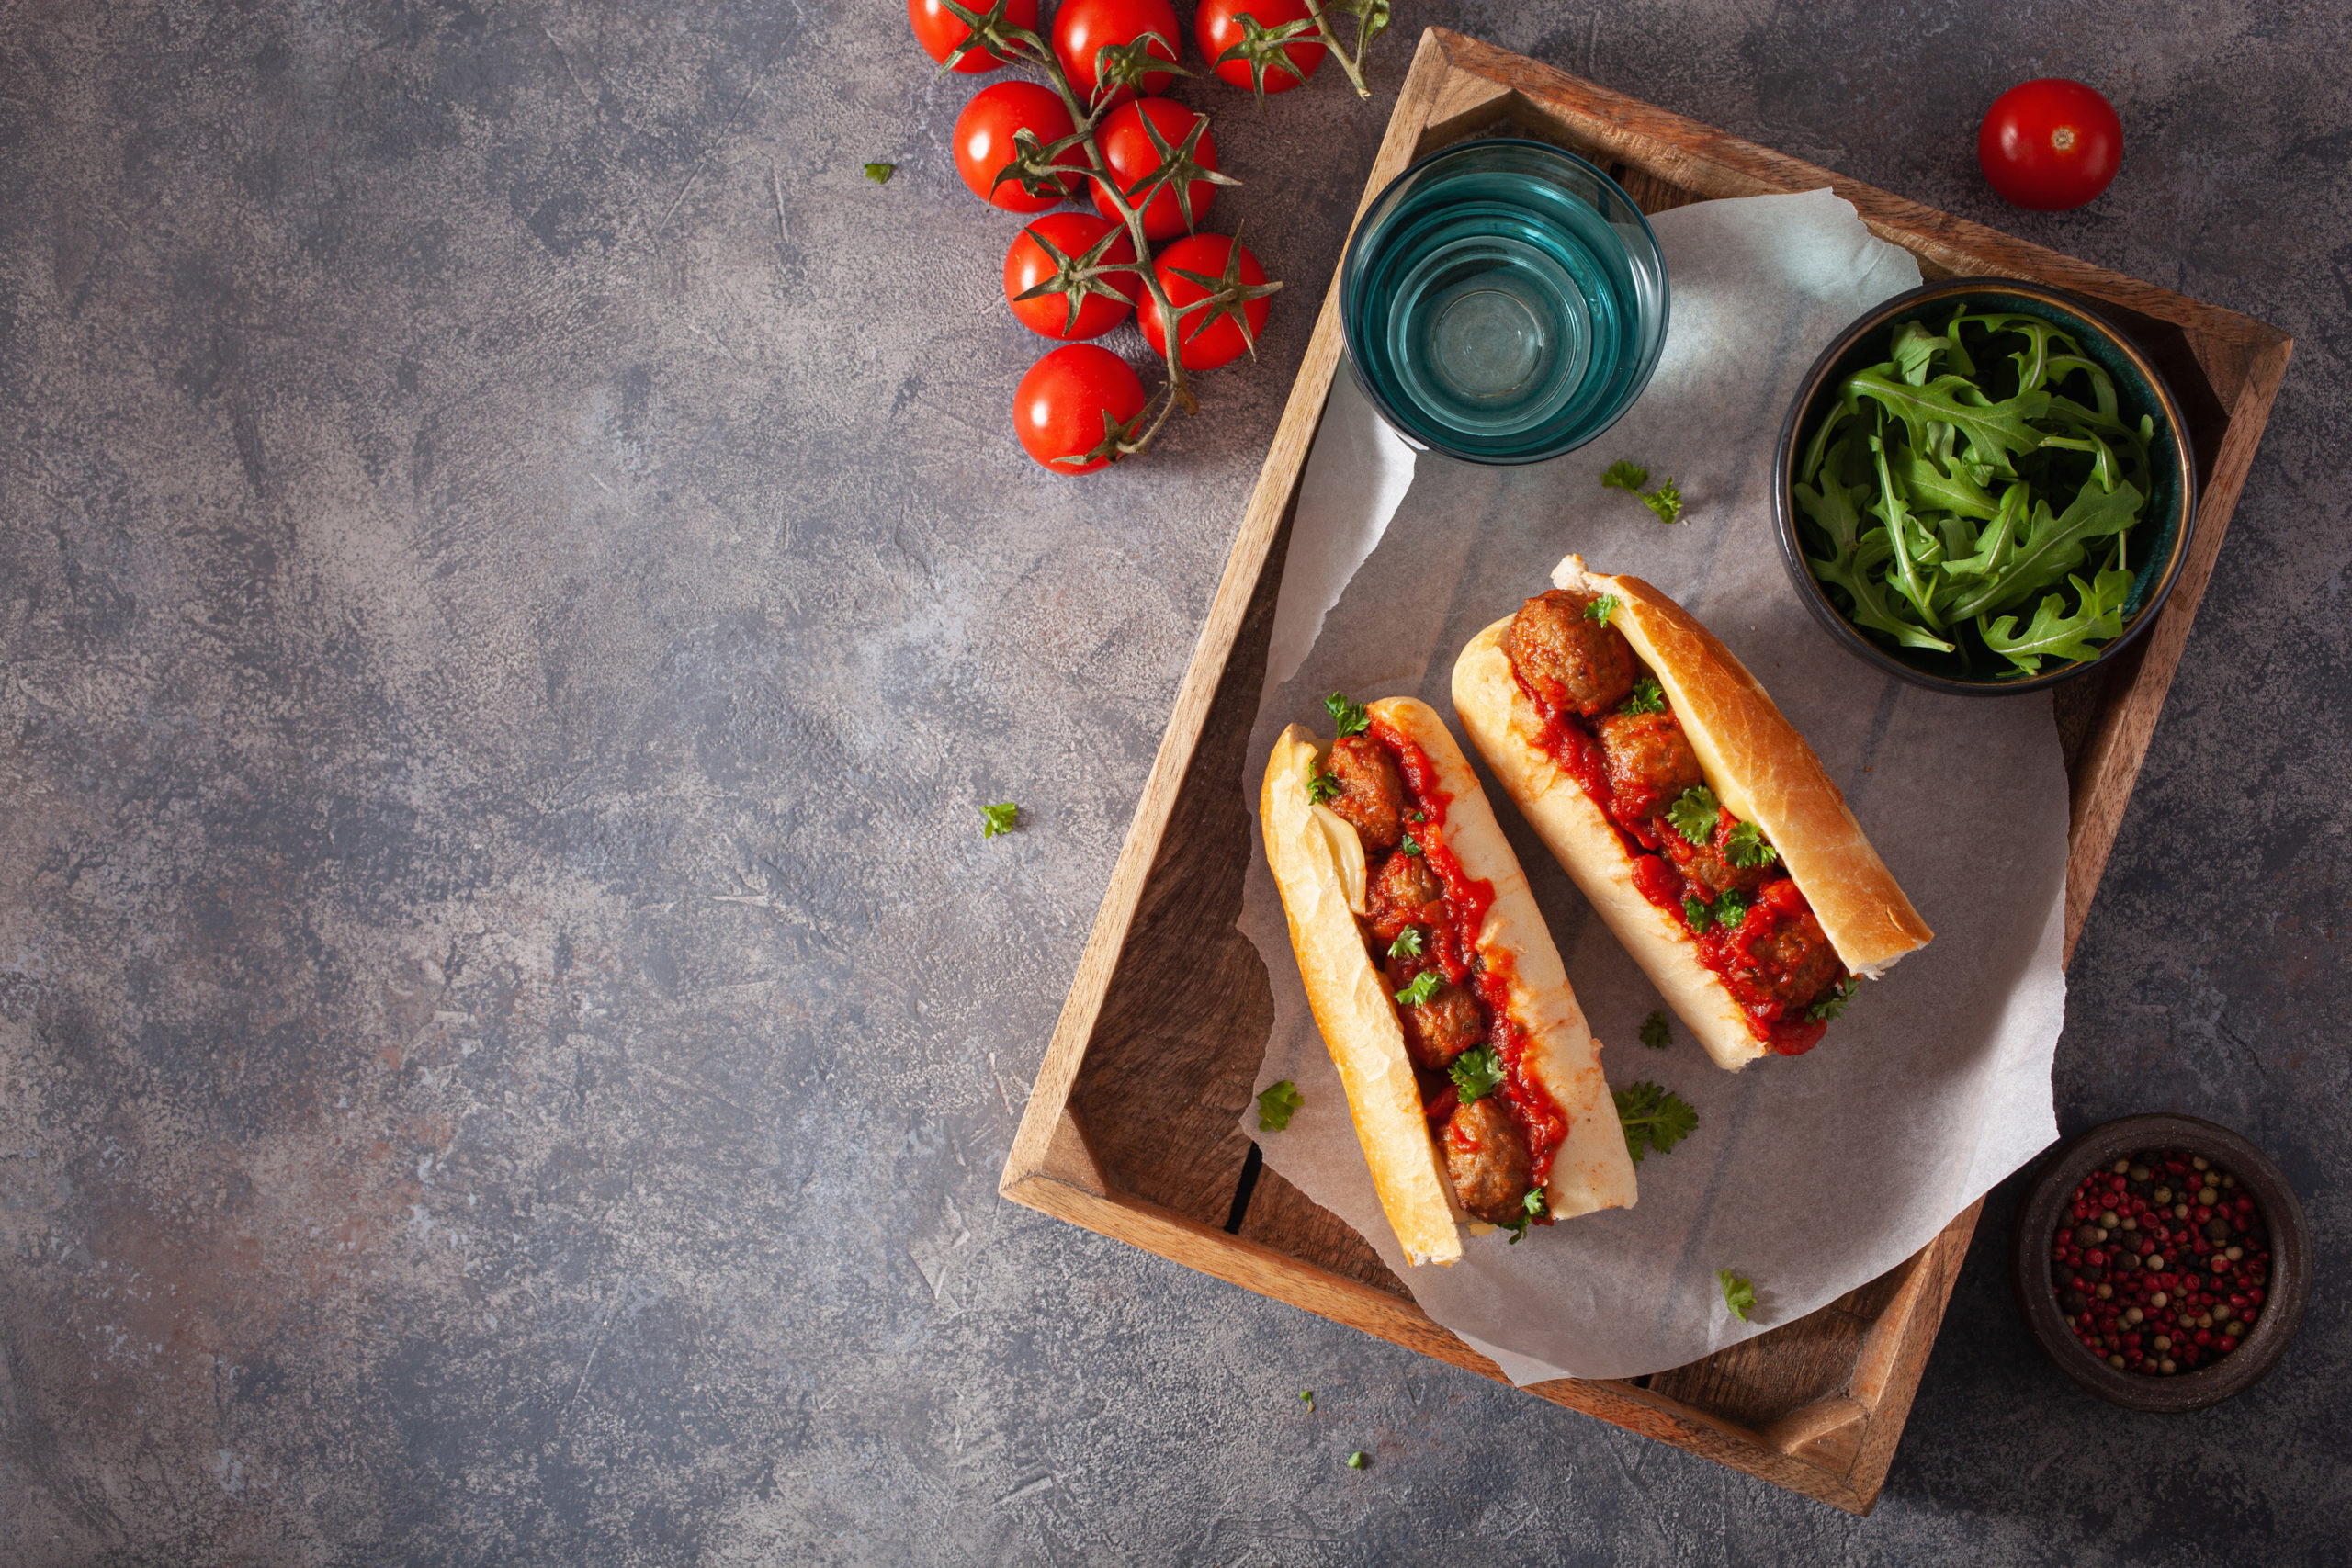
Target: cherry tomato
[
  {"x": 2050, "y": 145},
  {"x": 1206, "y": 340},
  {"x": 1128, "y": 147},
  {"x": 1027, "y": 265},
  {"x": 1059, "y": 407},
  {"x": 1215, "y": 30},
  {"x": 939, "y": 32},
  {"x": 984, "y": 133},
  {"x": 1082, "y": 27}
]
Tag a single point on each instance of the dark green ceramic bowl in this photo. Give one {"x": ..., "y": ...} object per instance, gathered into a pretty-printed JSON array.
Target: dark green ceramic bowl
[{"x": 2159, "y": 541}]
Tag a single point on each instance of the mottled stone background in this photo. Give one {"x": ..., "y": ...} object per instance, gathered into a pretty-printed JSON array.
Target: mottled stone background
[{"x": 514, "y": 583}]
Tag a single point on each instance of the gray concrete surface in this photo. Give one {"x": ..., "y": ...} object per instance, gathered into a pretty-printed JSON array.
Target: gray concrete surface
[{"x": 514, "y": 583}]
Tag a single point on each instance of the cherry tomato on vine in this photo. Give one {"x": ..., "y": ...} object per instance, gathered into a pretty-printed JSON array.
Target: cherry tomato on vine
[
  {"x": 1074, "y": 235},
  {"x": 1206, "y": 338},
  {"x": 984, "y": 145},
  {"x": 1059, "y": 408},
  {"x": 2050, "y": 145},
  {"x": 1216, "y": 27},
  {"x": 1083, "y": 27},
  {"x": 941, "y": 34},
  {"x": 1127, "y": 149}
]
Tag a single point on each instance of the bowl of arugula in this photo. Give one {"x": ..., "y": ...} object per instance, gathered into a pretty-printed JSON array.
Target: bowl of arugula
[{"x": 1983, "y": 488}]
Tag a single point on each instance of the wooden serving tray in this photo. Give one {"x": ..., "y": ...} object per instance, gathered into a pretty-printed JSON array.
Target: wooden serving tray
[{"x": 1133, "y": 1125}]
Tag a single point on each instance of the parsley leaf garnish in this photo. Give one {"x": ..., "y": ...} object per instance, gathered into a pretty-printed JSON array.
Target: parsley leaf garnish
[
  {"x": 1408, "y": 943},
  {"x": 1739, "y": 1294},
  {"x": 1653, "y": 1118},
  {"x": 1647, "y": 698},
  {"x": 1358, "y": 1460},
  {"x": 1276, "y": 1104},
  {"x": 880, "y": 172},
  {"x": 1321, "y": 788},
  {"x": 1695, "y": 814},
  {"x": 1698, "y": 915},
  {"x": 1655, "y": 1032},
  {"x": 1476, "y": 1073},
  {"x": 1410, "y": 846},
  {"x": 1832, "y": 1003},
  {"x": 1601, "y": 609},
  {"x": 1746, "y": 846},
  {"x": 1351, "y": 718},
  {"x": 1666, "y": 500},
  {"x": 999, "y": 818},
  {"x": 1731, "y": 909},
  {"x": 1533, "y": 1208},
  {"x": 1425, "y": 985}
]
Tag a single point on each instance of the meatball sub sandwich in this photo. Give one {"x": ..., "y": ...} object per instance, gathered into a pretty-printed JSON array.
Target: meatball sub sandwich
[
  {"x": 1693, "y": 816},
  {"x": 1472, "y": 1078}
]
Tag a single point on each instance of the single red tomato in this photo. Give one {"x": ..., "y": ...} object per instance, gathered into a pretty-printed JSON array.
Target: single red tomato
[
  {"x": 1128, "y": 147},
  {"x": 1073, "y": 234},
  {"x": 2050, "y": 145},
  {"x": 1206, "y": 340},
  {"x": 1083, "y": 27},
  {"x": 984, "y": 145},
  {"x": 939, "y": 32},
  {"x": 1216, "y": 28},
  {"x": 1060, "y": 406}
]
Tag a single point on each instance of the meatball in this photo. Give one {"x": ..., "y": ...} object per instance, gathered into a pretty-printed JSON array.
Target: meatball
[
  {"x": 1649, "y": 763},
  {"x": 1372, "y": 793},
  {"x": 1566, "y": 659},
  {"x": 1794, "y": 962},
  {"x": 1400, "y": 894},
  {"x": 1487, "y": 1160},
  {"x": 1705, "y": 864},
  {"x": 1441, "y": 1027}
]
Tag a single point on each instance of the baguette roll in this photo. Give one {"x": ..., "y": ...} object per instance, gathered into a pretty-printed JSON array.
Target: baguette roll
[
  {"x": 1761, "y": 772},
  {"x": 1318, "y": 860}
]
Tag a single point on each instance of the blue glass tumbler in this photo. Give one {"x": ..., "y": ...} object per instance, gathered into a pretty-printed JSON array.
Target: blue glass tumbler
[{"x": 1504, "y": 301}]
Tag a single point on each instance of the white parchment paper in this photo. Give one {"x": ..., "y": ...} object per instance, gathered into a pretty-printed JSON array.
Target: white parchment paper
[{"x": 1811, "y": 1175}]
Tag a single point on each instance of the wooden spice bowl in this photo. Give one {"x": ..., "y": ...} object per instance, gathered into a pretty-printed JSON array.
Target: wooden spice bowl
[{"x": 2046, "y": 1202}]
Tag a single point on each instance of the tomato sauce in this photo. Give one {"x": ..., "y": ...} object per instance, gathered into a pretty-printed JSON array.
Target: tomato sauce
[
  {"x": 1729, "y": 953},
  {"x": 1467, "y": 899}
]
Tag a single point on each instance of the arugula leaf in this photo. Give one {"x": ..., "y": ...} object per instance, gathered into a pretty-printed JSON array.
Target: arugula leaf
[
  {"x": 1832, "y": 1002},
  {"x": 1739, "y": 1293},
  {"x": 1695, "y": 815},
  {"x": 1666, "y": 500},
  {"x": 1351, "y": 718},
  {"x": 1906, "y": 579},
  {"x": 1746, "y": 847},
  {"x": 1424, "y": 986},
  {"x": 2052, "y": 548},
  {"x": 1996, "y": 432},
  {"x": 1623, "y": 475},
  {"x": 1647, "y": 698},
  {"x": 1913, "y": 352},
  {"x": 1321, "y": 788},
  {"x": 1476, "y": 1073},
  {"x": 880, "y": 172},
  {"x": 1698, "y": 914},
  {"x": 1655, "y": 1032},
  {"x": 1533, "y": 1207},
  {"x": 1932, "y": 486},
  {"x": 2053, "y": 633},
  {"x": 1601, "y": 609},
  {"x": 1654, "y": 1119},
  {"x": 999, "y": 819},
  {"x": 1851, "y": 564},
  {"x": 1277, "y": 1104},
  {"x": 1408, "y": 943}
]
